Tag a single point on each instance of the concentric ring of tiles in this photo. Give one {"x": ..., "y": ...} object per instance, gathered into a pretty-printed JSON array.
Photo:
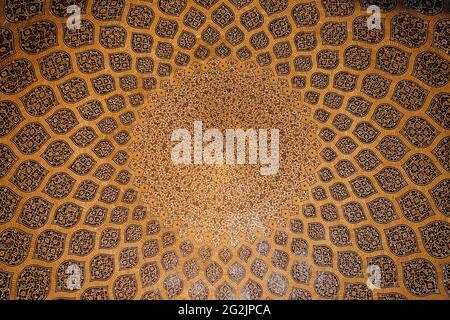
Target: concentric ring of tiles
[{"x": 72, "y": 190}]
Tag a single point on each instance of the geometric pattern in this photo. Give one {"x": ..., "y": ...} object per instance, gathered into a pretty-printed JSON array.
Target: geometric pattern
[{"x": 366, "y": 112}]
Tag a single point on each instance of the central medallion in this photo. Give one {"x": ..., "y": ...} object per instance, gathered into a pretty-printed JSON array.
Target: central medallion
[{"x": 213, "y": 202}]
